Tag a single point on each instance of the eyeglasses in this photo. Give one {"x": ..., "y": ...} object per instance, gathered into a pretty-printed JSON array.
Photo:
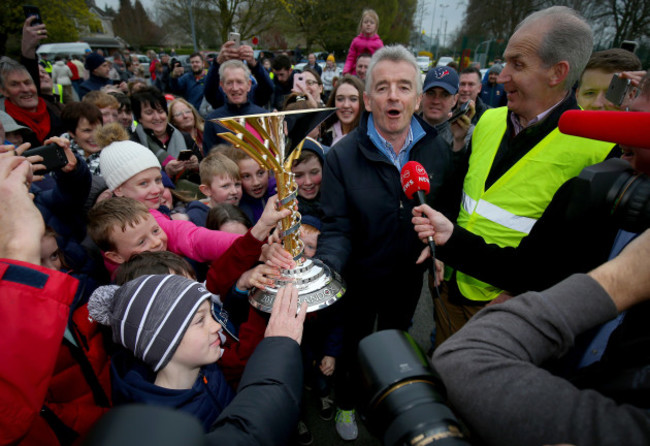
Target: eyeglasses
[
  {"x": 311, "y": 83},
  {"x": 181, "y": 113}
]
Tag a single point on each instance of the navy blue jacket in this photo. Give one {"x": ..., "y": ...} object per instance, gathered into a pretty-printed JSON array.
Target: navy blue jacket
[
  {"x": 190, "y": 88},
  {"x": 210, "y": 137},
  {"x": 62, "y": 208},
  {"x": 198, "y": 212},
  {"x": 493, "y": 95},
  {"x": 92, "y": 84},
  {"x": 367, "y": 227},
  {"x": 133, "y": 382}
]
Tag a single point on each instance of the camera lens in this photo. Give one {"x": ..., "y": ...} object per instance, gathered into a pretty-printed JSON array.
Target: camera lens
[{"x": 403, "y": 405}]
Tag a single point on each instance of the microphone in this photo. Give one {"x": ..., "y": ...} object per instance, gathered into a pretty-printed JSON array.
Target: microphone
[
  {"x": 415, "y": 181},
  {"x": 625, "y": 128}
]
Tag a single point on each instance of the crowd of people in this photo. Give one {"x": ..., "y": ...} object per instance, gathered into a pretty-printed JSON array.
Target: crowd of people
[{"x": 134, "y": 259}]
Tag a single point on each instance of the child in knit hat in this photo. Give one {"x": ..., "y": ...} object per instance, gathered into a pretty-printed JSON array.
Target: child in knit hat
[
  {"x": 131, "y": 170},
  {"x": 170, "y": 326}
]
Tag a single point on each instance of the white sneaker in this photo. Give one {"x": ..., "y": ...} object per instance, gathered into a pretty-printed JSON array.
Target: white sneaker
[{"x": 346, "y": 424}]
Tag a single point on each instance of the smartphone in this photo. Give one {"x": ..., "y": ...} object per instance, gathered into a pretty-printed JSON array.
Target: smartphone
[
  {"x": 630, "y": 45},
  {"x": 185, "y": 155},
  {"x": 53, "y": 157},
  {"x": 617, "y": 90},
  {"x": 235, "y": 37},
  {"x": 31, "y": 10},
  {"x": 299, "y": 81},
  {"x": 460, "y": 111}
]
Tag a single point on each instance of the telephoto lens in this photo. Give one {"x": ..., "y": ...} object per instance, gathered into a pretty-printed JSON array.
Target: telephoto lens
[{"x": 403, "y": 405}]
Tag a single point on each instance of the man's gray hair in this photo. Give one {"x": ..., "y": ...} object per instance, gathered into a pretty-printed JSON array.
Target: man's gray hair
[
  {"x": 568, "y": 37},
  {"x": 393, "y": 53},
  {"x": 233, "y": 63},
  {"x": 8, "y": 66}
]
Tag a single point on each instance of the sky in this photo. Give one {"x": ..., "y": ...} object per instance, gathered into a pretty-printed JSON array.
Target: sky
[{"x": 447, "y": 10}]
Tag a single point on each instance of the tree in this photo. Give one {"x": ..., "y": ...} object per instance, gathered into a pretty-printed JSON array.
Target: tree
[
  {"x": 133, "y": 25},
  {"x": 64, "y": 19},
  {"x": 215, "y": 19},
  {"x": 332, "y": 24}
]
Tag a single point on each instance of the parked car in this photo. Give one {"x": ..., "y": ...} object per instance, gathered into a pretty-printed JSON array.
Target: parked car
[
  {"x": 424, "y": 63},
  {"x": 63, "y": 49},
  {"x": 443, "y": 61}
]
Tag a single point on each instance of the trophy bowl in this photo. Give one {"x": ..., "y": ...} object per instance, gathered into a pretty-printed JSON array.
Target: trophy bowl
[{"x": 262, "y": 137}]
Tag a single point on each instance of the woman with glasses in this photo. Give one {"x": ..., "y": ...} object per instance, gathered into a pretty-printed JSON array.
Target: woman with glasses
[{"x": 185, "y": 118}]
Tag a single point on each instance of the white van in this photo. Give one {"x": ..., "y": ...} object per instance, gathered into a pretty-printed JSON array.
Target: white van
[{"x": 63, "y": 49}]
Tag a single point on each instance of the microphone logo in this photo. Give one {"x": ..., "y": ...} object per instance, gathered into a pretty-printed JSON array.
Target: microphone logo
[{"x": 420, "y": 170}]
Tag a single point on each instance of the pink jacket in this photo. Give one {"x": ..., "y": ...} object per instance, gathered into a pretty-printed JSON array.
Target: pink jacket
[
  {"x": 195, "y": 242},
  {"x": 361, "y": 44},
  {"x": 186, "y": 239}
]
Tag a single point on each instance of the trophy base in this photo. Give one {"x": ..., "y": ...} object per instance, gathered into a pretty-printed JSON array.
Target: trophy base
[{"x": 317, "y": 285}]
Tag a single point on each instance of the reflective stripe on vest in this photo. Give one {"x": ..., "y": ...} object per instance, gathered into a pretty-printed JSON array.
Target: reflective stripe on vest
[
  {"x": 507, "y": 211},
  {"x": 497, "y": 215}
]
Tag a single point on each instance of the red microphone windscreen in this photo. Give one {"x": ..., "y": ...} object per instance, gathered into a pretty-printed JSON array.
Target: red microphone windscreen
[
  {"x": 414, "y": 178},
  {"x": 626, "y": 128}
]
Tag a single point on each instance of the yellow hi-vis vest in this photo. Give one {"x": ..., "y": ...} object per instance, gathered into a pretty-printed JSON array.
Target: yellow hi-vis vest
[{"x": 507, "y": 211}]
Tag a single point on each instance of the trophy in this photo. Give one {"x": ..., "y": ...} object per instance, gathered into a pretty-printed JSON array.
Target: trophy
[{"x": 262, "y": 137}]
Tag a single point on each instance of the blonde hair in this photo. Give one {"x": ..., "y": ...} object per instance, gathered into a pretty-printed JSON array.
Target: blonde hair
[
  {"x": 217, "y": 164},
  {"x": 199, "y": 122},
  {"x": 373, "y": 15}
]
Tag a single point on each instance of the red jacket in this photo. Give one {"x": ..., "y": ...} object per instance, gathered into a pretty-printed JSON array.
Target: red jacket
[{"x": 37, "y": 368}]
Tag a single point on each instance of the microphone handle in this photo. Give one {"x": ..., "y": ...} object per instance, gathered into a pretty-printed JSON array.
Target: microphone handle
[{"x": 430, "y": 242}]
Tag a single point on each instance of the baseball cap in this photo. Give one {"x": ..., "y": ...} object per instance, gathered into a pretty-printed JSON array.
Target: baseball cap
[{"x": 443, "y": 77}]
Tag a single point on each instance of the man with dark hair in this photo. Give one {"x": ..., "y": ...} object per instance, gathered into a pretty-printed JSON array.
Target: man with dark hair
[
  {"x": 599, "y": 72},
  {"x": 282, "y": 80},
  {"x": 261, "y": 86},
  {"x": 469, "y": 88},
  {"x": 190, "y": 85}
]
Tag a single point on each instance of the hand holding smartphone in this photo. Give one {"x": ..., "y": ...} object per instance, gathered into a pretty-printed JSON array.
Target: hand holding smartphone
[
  {"x": 53, "y": 157},
  {"x": 460, "y": 111}
]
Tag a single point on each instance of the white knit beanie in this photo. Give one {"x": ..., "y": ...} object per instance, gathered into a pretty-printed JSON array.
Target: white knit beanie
[{"x": 121, "y": 160}]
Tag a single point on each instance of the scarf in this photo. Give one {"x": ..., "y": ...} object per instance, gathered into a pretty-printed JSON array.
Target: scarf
[
  {"x": 173, "y": 147},
  {"x": 38, "y": 121}
]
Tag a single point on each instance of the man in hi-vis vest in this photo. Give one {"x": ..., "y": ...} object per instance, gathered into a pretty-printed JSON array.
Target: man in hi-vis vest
[{"x": 518, "y": 158}]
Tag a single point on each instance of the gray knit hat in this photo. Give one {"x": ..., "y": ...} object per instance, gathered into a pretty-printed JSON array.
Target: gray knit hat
[
  {"x": 121, "y": 160},
  {"x": 149, "y": 315}
]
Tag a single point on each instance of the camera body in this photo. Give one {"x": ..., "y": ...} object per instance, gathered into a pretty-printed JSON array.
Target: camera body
[
  {"x": 404, "y": 406},
  {"x": 616, "y": 188}
]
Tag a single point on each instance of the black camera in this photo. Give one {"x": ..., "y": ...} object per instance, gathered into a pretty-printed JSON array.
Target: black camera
[
  {"x": 615, "y": 188},
  {"x": 404, "y": 406}
]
